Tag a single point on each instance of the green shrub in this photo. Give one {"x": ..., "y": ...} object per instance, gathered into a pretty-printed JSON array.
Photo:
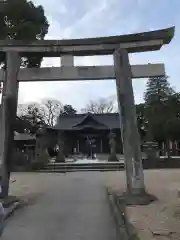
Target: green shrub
[
  {"x": 19, "y": 159},
  {"x": 40, "y": 161},
  {"x": 43, "y": 157},
  {"x": 36, "y": 166}
]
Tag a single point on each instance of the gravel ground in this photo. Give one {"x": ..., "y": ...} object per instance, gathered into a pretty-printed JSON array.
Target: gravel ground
[{"x": 159, "y": 220}]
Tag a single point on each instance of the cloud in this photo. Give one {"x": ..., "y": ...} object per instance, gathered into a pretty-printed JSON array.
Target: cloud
[{"x": 78, "y": 19}]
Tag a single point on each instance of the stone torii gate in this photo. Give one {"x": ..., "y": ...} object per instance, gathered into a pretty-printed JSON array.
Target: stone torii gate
[{"x": 120, "y": 47}]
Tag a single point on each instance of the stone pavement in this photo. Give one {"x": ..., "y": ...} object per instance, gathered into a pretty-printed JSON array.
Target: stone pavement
[{"x": 70, "y": 206}]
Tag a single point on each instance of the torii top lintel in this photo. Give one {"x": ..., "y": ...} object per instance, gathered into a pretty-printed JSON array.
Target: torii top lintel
[{"x": 139, "y": 42}]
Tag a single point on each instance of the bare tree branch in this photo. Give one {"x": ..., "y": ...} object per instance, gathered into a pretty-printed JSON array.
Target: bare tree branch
[
  {"x": 102, "y": 105},
  {"x": 50, "y": 109}
]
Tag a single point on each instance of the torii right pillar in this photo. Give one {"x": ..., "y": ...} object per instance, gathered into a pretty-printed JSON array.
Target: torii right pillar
[{"x": 136, "y": 193}]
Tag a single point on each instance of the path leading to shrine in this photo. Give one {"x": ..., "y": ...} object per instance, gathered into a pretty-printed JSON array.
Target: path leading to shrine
[{"x": 70, "y": 206}]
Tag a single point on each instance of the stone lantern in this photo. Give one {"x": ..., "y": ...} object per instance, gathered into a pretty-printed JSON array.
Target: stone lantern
[
  {"x": 150, "y": 147},
  {"x": 112, "y": 143}
]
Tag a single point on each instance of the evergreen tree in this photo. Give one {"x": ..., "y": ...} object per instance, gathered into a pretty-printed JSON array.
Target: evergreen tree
[
  {"x": 22, "y": 20},
  {"x": 67, "y": 110},
  {"x": 158, "y": 89},
  {"x": 32, "y": 118},
  {"x": 162, "y": 109}
]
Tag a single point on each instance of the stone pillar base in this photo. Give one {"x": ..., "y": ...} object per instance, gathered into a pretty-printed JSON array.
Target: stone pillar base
[
  {"x": 113, "y": 158},
  {"x": 143, "y": 198},
  {"x": 60, "y": 157}
]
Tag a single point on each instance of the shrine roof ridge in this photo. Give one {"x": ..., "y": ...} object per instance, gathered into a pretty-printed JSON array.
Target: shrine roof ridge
[
  {"x": 144, "y": 41},
  {"x": 90, "y": 114},
  {"x": 110, "y": 120}
]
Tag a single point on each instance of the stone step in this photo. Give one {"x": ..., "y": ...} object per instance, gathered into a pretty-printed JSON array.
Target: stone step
[
  {"x": 85, "y": 167},
  {"x": 114, "y": 164},
  {"x": 78, "y": 170},
  {"x": 72, "y": 167}
]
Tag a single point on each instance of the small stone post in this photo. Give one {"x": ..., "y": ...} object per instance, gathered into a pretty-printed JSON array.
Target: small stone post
[
  {"x": 9, "y": 108},
  {"x": 130, "y": 135}
]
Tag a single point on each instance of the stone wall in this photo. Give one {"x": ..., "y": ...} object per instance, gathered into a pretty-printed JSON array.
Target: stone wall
[{"x": 161, "y": 163}]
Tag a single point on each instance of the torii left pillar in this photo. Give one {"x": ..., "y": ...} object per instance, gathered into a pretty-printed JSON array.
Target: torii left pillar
[{"x": 9, "y": 108}]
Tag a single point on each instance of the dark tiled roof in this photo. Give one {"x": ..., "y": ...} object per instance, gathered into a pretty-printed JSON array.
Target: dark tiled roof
[{"x": 109, "y": 120}]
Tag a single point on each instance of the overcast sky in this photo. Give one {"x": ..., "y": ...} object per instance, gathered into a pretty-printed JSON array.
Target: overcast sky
[{"x": 95, "y": 18}]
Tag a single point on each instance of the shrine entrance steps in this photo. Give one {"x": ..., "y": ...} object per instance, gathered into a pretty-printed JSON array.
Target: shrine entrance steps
[{"x": 75, "y": 167}]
